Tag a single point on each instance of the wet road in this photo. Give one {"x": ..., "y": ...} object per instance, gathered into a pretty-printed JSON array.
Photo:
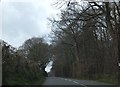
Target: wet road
[{"x": 73, "y": 82}]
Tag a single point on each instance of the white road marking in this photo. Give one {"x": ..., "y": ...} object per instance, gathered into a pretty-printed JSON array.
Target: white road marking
[
  {"x": 83, "y": 85},
  {"x": 75, "y": 82}
]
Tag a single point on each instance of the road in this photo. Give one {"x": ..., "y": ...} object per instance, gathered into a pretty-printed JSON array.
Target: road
[{"x": 73, "y": 82}]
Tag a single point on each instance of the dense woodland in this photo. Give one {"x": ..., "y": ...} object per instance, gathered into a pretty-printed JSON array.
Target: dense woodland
[
  {"x": 24, "y": 66},
  {"x": 86, "y": 40}
]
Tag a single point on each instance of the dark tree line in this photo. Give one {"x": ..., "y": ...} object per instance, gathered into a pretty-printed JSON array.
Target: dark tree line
[
  {"x": 26, "y": 65},
  {"x": 86, "y": 40}
]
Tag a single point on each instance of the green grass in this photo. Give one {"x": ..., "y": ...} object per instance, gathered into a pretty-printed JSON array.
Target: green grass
[
  {"x": 19, "y": 79},
  {"x": 40, "y": 81},
  {"x": 112, "y": 79},
  {"x": 105, "y": 78}
]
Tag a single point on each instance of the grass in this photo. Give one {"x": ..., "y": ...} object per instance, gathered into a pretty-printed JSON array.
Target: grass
[
  {"x": 105, "y": 78},
  {"x": 40, "y": 81},
  {"x": 22, "y": 80},
  {"x": 112, "y": 79}
]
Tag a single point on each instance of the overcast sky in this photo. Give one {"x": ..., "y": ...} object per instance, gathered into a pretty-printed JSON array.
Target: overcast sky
[
  {"x": 23, "y": 19},
  {"x": 49, "y": 66}
]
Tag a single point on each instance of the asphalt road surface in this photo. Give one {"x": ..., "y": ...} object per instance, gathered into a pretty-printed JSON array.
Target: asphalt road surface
[{"x": 73, "y": 82}]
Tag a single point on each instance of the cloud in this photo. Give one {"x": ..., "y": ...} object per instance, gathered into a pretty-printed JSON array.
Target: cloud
[{"x": 23, "y": 20}]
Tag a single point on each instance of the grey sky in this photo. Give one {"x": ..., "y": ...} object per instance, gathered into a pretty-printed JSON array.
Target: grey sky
[
  {"x": 49, "y": 66},
  {"x": 23, "y": 19}
]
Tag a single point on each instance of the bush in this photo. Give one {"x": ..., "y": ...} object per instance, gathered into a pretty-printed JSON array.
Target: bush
[{"x": 16, "y": 71}]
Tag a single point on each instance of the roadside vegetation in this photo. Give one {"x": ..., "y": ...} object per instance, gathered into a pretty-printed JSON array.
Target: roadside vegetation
[
  {"x": 18, "y": 68},
  {"x": 86, "y": 40},
  {"x": 112, "y": 79}
]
